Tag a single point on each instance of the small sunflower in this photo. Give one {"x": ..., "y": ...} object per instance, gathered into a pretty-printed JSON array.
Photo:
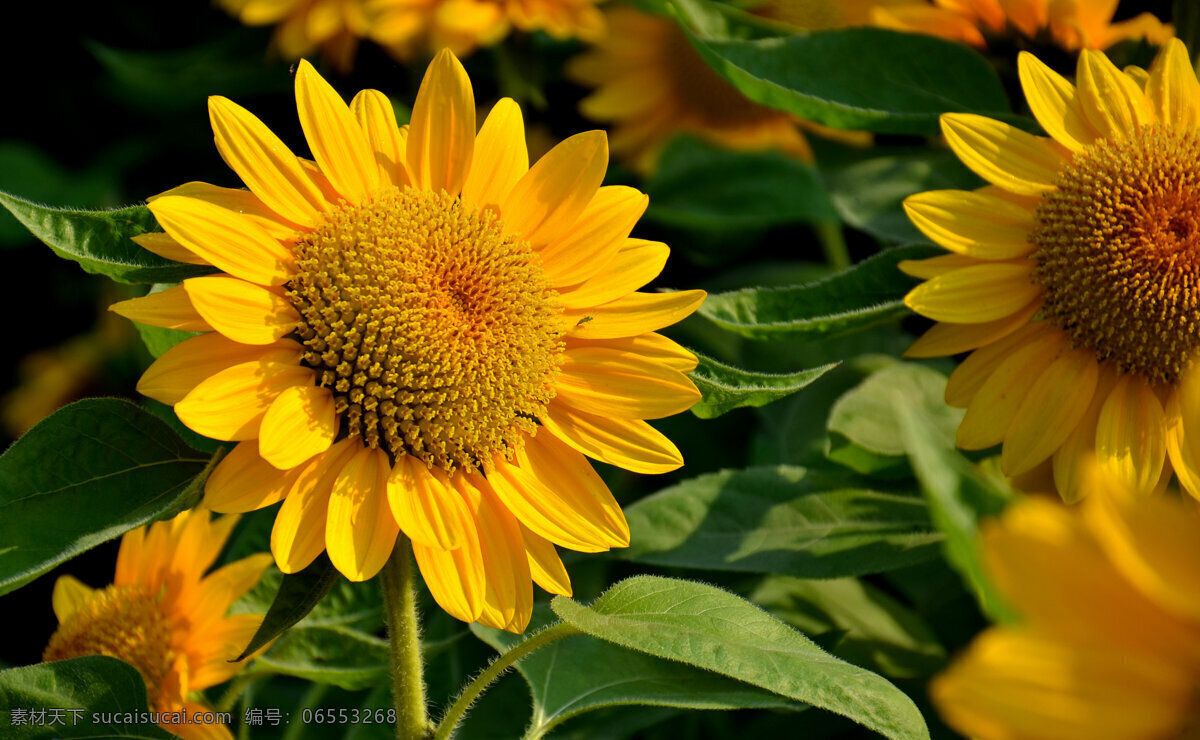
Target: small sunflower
[
  {"x": 1071, "y": 25},
  {"x": 163, "y": 615},
  {"x": 1107, "y": 644},
  {"x": 652, "y": 85},
  {"x": 1075, "y": 276},
  {"x": 419, "y": 332}
]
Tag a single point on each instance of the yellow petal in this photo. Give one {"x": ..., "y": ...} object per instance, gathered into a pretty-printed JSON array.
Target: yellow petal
[
  {"x": 636, "y": 313},
  {"x": 944, "y": 339},
  {"x": 1079, "y": 449},
  {"x": 300, "y": 423},
  {"x": 1055, "y": 403},
  {"x": 182, "y": 367},
  {"x": 992, "y": 409},
  {"x": 974, "y": 295},
  {"x": 264, "y": 163},
  {"x": 970, "y": 375},
  {"x": 1173, "y": 90},
  {"x": 243, "y": 481},
  {"x": 508, "y": 596},
  {"x": 1055, "y": 103},
  {"x": 541, "y": 509},
  {"x": 69, "y": 595},
  {"x": 441, "y": 134},
  {"x": 637, "y": 263},
  {"x": 595, "y": 238},
  {"x": 360, "y": 531},
  {"x": 170, "y": 309},
  {"x": 455, "y": 578},
  {"x": 631, "y": 444},
  {"x": 545, "y": 565},
  {"x": 298, "y": 536},
  {"x": 166, "y": 247},
  {"x": 652, "y": 346},
  {"x": 377, "y": 118},
  {"x": 242, "y": 311},
  {"x": 547, "y": 201},
  {"x": 972, "y": 223},
  {"x": 230, "y": 405},
  {"x": 501, "y": 157},
  {"x": 1001, "y": 154},
  {"x": 231, "y": 242},
  {"x": 1113, "y": 103},
  {"x": 1183, "y": 430},
  {"x": 428, "y": 509},
  {"x": 599, "y": 380},
  {"x": 1131, "y": 434},
  {"x": 334, "y": 137},
  {"x": 241, "y": 202},
  {"x": 581, "y": 495},
  {"x": 943, "y": 264}
]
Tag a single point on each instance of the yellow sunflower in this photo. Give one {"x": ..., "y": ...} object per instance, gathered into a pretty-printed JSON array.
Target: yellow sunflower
[
  {"x": 419, "y": 332},
  {"x": 1107, "y": 646},
  {"x": 652, "y": 85},
  {"x": 164, "y": 616},
  {"x": 1074, "y": 277},
  {"x": 1069, "y": 24}
]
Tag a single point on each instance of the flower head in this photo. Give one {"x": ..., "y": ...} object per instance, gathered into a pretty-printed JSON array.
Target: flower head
[
  {"x": 163, "y": 615},
  {"x": 1082, "y": 24},
  {"x": 1107, "y": 646},
  {"x": 1073, "y": 279},
  {"x": 419, "y": 332}
]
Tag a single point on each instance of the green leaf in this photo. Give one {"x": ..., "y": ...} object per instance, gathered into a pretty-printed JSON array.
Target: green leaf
[
  {"x": 867, "y": 415},
  {"x": 808, "y": 523},
  {"x": 861, "y": 78},
  {"x": 959, "y": 497},
  {"x": 96, "y": 683},
  {"x": 329, "y": 655},
  {"x": 100, "y": 240},
  {"x": 159, "y": 340},
  {"x": 40, "y": 177},
  {"x": 581, "y": 673},
  {"x": 700, "y": 186},
  {"x": 869, "y": 193},
  {"x": 712, "y": 629},
  {"x": 726, "y": 388},
  {"x": 298, "y": 593},
  {"x": 870, "y": 292},
  {"x": 877, "y": 630},
  {"x": 86, "y": 474}
]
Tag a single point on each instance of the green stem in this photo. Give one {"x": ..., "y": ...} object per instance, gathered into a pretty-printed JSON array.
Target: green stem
[
  {"x": 501, "y": 664},
  {"x": 833, "y": 244},
  {"x": 404, "y": 643}
]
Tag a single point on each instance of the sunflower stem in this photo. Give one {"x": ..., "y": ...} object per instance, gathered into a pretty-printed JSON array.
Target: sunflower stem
[
  {"x": 833, "y": 244},
  {"x": 404, "y": 643},
  {"x": 502, "y": 663}
]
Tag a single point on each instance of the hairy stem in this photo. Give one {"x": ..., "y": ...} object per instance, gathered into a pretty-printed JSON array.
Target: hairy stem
[{"x": 404, "y": 643}]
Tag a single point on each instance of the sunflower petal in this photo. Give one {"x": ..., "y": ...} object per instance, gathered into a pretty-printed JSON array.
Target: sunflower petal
[
  {"x": 1113, "y": 103},
  {"x": 335, "y": 138},
  {"x": 455, "y": 578},
  {"x": 545, "y": 565},
  {"x": 599, "y": 380},
  {"x": 69, "y": 595},
  {"x": 1173, "y": 90},
  {"x": 377, "y": 118},
  {"x": 360, "y": 531},
  {"x": 637, "y": 263},
  {"x": 242, "y": 311},
  {"x": 1131, "y": 434},
  {"x": 991, "y": 410},
  {"x": 228, "y": 240},
  {"x": 971, "y": 373},
  {"x": 974, "y": 295},
  {"x": 300, "y": 423},
  {"x": 631, "y": 444},
  {"x": 972, "y": 223},
  {"x": 1054, "y": 404},
  {"x": 166, "y": 247},
  {"x": 170, "y": 309},
  {"x": 636, "y": 313},
  {"x": 182, "y": 367},
  {"x": 1001, "y": 154},
  {"x": 508, "y": 596},
  {"x": 428, "y": 509},
  {"x": 242, "y": 202},
  {"x": 501, "y": 157},
  {"x": 243, "y": 481},
  {"x": 230, "y": 404},
  {"x": 944, "y": 339},
  {"x": 651, "y": 345},
  {"x": 441, "y": 135},
  {"x": 1055, "y": 103},
  {"x": 298, "y": 536},
  {"x": 548, "y": 200},
  {"x": 596, "y": 237}
]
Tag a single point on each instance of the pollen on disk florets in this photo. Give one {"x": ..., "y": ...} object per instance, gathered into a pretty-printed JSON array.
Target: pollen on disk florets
[
  {"x": 1118, "y": 251},
  {"x": 124, "y": 622},
  {"x": 437, "y": 333}
]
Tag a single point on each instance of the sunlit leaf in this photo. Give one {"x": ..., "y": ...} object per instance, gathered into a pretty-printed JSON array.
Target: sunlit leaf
[{"x": 726, "y": 388}]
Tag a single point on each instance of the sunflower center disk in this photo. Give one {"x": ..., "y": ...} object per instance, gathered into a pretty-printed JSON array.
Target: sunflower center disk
[
  {"x": 437, "y": 333},
  {"x": 1118, "y": 251},
  {"x": 122, "y": 622}
]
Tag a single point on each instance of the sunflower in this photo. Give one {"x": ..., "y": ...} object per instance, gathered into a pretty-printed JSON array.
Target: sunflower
[
  {"x": 1107, "y": 646},
  {"x": 1074, "y": 277},
  {"x": 419, "y": 332},
  {"x": 333, "y": 26},
  {"x": 164, "y": 616},
  {"x": 652, "y": 85},
  {"x": 1071, "y": 25}
]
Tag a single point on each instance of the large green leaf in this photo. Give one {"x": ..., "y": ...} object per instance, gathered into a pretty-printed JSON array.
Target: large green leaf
[
  {"x": 26, "y": 168},
  {"x": 808, "y": 523},
  {"x": 86, "y": 474},
  {"x": 700, "y": 186},
  {"x": 877, "y": 631},
  {"x": 331, "y": 655},
  {"x": 295, "y": 596},
  {"x": 726, "y": 388},
  {"x": 581, "y": 673},
  {"x": 100, "y": 240},
  {"x": 79, "y": 687},
  {"x": 868, "y": 293},
  {"x": 715, "y": 630},
  {"x": 860, "y": 78}
]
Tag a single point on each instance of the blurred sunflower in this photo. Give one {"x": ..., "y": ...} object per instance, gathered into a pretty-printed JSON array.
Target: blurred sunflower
[
  {"x": 419, "y": 332},
  {"x": 1107, "y": 646},
  {"x": 1069, "y": 24},
  {"x": 1074, "y": 275},
  {"x": 333, "y": 26},
  {"x": 163, "y": 615}
]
